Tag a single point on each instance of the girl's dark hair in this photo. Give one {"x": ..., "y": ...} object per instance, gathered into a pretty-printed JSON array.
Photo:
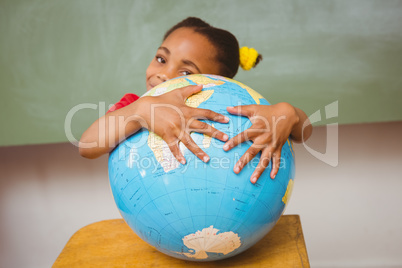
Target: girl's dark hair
[{"x": 225, "y": 43}]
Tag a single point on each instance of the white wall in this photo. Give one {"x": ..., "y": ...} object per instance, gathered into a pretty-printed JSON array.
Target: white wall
[{"x": 351, "y": 214}]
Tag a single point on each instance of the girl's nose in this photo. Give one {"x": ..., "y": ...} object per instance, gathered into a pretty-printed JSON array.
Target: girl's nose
[
  {"x": 162, "y": 76},
  {"x": 165, "y": 73}
]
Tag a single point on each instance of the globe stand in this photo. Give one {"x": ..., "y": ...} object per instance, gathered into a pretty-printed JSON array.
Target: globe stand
[{"x": 111, "y": 243}]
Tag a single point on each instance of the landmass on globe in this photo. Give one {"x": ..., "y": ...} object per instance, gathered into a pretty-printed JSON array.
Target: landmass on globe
[
  {"x": 207, "y": 240},
  {"x": 288, "y": 192}
]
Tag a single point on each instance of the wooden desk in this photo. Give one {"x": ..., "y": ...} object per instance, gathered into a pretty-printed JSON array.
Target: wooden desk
[{"x": 111, "y": 243}]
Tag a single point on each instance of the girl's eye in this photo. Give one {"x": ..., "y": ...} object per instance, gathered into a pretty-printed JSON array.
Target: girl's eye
[
  {"x": 160, "y": 59},
  {"x": 185, "y": 73}
]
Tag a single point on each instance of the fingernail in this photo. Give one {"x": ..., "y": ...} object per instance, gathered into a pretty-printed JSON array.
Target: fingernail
[
  {"x": 225, "y": 137},
  {"x": 236, "y": 169},
  {"x": 183, "y": 160},
  {"x": 205, "y": 159},
  {"x": 253, "y": 180},
  {"x": 225, "y": 147},
  {"x": 226, "y": 119}
]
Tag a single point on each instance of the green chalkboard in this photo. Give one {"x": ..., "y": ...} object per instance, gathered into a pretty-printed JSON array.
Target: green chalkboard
[{"x": 345, "y": 55}]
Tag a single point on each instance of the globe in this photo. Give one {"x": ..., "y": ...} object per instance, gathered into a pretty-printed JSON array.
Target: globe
[{"x": 199, "y": 211}]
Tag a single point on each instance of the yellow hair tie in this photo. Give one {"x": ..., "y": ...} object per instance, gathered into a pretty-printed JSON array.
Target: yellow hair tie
[{"x": 248, "y": 58}]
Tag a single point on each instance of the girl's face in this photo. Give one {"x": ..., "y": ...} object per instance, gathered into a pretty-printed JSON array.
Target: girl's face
[{"x": 183, "y": 52}]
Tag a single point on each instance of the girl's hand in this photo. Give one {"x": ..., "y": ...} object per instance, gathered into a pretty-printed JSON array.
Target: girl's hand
[
  {"x": 271, "y": 127},
  {"x": 170, "y": 118}
]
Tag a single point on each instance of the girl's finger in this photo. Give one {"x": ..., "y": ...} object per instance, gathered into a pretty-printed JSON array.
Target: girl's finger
[
  {"x": 190, "y": 90},
  {"x": 209, "y": 115},
  {"x": 276, "y": 162},
  {"x": 174, "y": 148},
  {"x": 251, "y": 152},
  {"x": 204, "y": 128},
  {"x": 193, "y": 147},
  {"x": 244, "y": 110},
  {"x": 246, "y": 135},
  {"x": 262, "y": 165}
]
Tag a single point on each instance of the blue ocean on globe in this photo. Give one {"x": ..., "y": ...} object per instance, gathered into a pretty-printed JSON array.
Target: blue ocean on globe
[{"x": 199, "y": 211}]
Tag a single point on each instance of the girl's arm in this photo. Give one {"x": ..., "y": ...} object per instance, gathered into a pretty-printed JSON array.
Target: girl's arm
[
  {"x": 109, "y": 130},
  {"x": 271, "y": 126},
  {"x": 166, "y": 115},
  {"x": 301, "y": 131}
]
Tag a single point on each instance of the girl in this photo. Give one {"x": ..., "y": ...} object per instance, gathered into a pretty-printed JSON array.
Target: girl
[{"x": 192, "y": 47}]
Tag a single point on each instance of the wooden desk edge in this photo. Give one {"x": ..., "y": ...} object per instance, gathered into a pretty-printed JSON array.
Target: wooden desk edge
[{"x": 72, "y": 256}]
